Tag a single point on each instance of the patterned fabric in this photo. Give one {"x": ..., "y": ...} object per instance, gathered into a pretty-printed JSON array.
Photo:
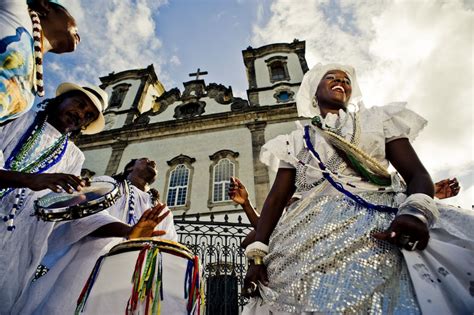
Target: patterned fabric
[
  {"x": 323, "y": 259},
  {"x": 16, "y": 60}
]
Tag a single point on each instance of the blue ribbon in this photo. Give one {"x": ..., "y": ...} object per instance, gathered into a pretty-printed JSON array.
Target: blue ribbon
[{"x": 339, "y": 186}]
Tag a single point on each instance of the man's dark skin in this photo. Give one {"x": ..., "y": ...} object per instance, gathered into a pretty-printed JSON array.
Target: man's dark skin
[{"x": 59, "y": 27}]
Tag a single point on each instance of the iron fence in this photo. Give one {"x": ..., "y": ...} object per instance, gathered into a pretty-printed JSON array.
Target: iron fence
[{"x": 217, "y": 244}]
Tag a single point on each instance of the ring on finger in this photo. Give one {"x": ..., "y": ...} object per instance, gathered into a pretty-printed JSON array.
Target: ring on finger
[
  {"x": 254, "y": 286},
  {"x": 404, "y": 239},
  {"x": 412, "y": 245}
]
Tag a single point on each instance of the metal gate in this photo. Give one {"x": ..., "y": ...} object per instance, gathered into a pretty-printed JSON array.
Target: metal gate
[{"x": 217, "y": 244}]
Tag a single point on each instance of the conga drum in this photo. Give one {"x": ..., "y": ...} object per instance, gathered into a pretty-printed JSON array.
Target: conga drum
[{"x": 143, "y": 276}]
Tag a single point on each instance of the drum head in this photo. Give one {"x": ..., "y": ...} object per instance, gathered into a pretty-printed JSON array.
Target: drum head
[
  {"x": 168, "y": 246},
  {"x": 64, "y": 206}
]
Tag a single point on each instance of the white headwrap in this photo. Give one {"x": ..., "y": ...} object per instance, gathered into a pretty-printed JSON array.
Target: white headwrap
[{"x": 309, "y": 85}]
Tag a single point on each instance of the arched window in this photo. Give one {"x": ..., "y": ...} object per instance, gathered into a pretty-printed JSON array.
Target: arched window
[
  {"x": 223, "y": 170},
  {"x": 224, "y": 165},
  {"x": 178, "y": 186},
  {"x": 118, "y": 95}
]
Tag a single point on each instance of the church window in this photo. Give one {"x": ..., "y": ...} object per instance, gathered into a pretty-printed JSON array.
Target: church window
[
  {"x": 223, "y": 170},
  {"x": 224, "y": 165},
  {"x": 178, "y": 184},
  {"x": 283, "y": 96},
  {"x": 278, "y": 70},
  {"x": 118, "y": 95}
]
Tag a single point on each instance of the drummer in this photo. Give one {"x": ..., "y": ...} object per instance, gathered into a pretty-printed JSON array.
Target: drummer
[
  {"x": 62, "y": 278},
  {"x": 36, "y": 156}
]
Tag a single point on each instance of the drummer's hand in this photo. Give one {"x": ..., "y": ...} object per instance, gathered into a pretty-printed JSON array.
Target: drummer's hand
[
  {"x": 407, "y": 232},
  {"x": 55, "y": 181},
  {"x": 255, "y": 274},
  {"x": 148, "y": 221}
]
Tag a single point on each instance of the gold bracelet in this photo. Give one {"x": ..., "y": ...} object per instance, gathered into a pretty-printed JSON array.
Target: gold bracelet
[{"x": 257, "y": 260}]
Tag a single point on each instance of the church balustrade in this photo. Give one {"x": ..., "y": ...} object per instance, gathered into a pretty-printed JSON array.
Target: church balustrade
[{"x": 224, "y": 264}]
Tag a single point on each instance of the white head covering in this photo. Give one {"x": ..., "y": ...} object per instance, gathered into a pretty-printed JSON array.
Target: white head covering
[{"x": 309, "y": 85}]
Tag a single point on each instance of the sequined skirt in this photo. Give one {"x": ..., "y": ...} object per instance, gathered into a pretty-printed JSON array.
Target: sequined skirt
[{"x": 323, "y": 259}]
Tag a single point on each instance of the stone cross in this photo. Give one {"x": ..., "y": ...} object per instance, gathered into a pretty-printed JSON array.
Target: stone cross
[{"x": 197, "y": 74}]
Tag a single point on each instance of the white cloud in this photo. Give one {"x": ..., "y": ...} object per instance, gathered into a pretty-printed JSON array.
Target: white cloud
[
  {"x": 115, "y": 35},
  {"x": 415, "y": 51},
  {"x": 174, "y": 60}
]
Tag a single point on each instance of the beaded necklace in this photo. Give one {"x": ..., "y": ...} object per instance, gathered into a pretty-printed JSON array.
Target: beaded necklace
[
  {"x": 38, "y": 53},
  {"x": 334, "y": 163},
  {"x": 17, "y": 204},
  {"x": 22, "y": 159},
  {"x": 131, "y": 217},
  {"x": 327, "y": 175}
]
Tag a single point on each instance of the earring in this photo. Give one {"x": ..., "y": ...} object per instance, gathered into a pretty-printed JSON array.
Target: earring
[{"x": 315, "y": 102}]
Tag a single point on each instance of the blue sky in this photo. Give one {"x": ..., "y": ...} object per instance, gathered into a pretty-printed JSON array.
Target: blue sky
[{"x": 417, "y": 51}]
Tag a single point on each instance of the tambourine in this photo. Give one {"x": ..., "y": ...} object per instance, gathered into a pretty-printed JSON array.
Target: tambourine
[{"x": 63, "y": 206}]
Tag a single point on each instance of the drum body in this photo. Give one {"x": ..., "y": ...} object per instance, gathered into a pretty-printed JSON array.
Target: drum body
[
  {"x": 114, "y": 284},
  {"x": 63, "y": 206}
]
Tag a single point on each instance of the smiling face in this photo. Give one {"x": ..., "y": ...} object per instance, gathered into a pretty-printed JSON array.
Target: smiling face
[
  {"x": 334, "y": 89},
  {"x": 73, "y": 112}
]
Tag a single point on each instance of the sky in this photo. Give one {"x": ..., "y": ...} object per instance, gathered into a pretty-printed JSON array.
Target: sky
[{"x": 416, "y": 51}]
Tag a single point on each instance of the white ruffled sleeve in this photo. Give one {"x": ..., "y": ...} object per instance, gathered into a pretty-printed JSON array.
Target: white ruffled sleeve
[
  {"x": 275, "y": 153},
  {"x": 400, "y": 122}
]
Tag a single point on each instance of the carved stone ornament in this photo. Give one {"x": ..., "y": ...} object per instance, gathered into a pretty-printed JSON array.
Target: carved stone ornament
[
  {"x": 143, "y": 119},
  {"x": 193, "y": 90},
  {"x": 220, "y": 93},
  {"x": 181, "y": 159},
  {"x": 223, "y": 154},
  {"x": 164, "y": 100},
  {"x": 239, "y": 104},
  {"x": 189, "y": 110}
]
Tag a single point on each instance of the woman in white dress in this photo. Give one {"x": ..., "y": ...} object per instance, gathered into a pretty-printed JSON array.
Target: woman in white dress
[{"x": 337, "y": 248}]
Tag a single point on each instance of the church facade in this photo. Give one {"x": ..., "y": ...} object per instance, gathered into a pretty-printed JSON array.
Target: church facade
[{"x": 200, "y": 135}]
